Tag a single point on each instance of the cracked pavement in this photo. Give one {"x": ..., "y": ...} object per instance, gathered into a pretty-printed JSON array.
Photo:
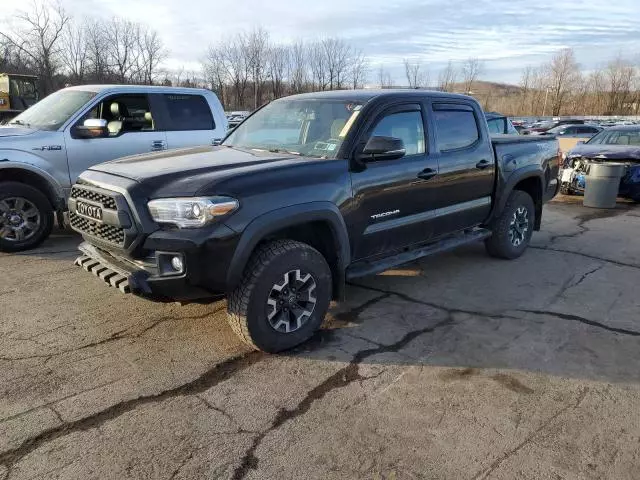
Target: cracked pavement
[{"x": 458, "y": 366}]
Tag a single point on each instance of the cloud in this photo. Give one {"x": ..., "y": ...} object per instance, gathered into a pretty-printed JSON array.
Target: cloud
[{"x": 506, "y": 34}]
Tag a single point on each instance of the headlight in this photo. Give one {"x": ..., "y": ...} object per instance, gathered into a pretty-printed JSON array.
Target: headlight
[{"x": 191, "y": 212}]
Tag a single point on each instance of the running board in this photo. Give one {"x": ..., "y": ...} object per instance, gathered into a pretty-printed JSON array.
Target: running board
[{"x": 364, "y": 268}]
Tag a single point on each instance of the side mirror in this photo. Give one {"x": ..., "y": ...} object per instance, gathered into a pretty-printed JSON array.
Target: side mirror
[
  {"x": 91, "y": 128},
  {"x": 580, "y": 142},
  {"x": 383, "y": 148}
]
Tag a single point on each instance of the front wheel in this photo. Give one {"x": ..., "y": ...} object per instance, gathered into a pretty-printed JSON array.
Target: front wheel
[
  {"x": 512, "y": 231},
  {"x": 26, "y": 217},
  {"x": 282, "y": 298}
]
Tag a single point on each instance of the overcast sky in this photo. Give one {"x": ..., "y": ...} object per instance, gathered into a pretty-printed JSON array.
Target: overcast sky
[{"x": 506, "y": 34}]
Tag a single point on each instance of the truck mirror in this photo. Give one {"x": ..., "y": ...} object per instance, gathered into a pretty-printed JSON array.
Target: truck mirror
[
  {"x": 91, "y": 128},
  {"x": 383, "y": 148}
]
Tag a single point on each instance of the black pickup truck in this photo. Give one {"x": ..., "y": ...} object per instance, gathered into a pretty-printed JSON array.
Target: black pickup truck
[{"x": 309, "y": 192}]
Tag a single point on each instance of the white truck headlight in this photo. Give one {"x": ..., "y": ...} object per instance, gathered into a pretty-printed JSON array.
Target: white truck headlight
[{"x": 191, "y": 212}]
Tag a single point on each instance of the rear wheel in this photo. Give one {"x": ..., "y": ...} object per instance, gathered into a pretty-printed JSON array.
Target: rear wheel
[
  {"x": 26, "y": 217},
  {"x": 282, "y": 298},
  {"x": 512, "y": 231}
]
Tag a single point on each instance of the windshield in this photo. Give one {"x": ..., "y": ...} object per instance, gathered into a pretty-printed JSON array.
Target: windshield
[
  {"x": 309, "y": 127},
  {"x": 616, "y": 137},
  {"x": 52, "y": 112}
]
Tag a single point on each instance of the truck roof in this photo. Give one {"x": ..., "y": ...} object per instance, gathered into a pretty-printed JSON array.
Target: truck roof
[
  {"x": 365, "y": 95},
  {"x": 141, "y": 88}
]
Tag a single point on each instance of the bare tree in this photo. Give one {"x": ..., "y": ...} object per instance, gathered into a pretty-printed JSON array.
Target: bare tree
[
  {"x": 256, "y": 48},
  {"x": 620, "y": 78},
  {"x": 384, "y": 78},
  {"x": 278, "y": 62},
  {"x": 448, "y": 77},
  {"x": 38, "y": 38},
  {"x": 215, "y": 71},
  {"x": 359, "y": 68},
  {"x": 318, "y": 66},
  {"x": 471, "y": 69},
  {"x": 416, "y": 75},
  {"x": 151, "y": 53},
  {"x": 122, "y": 37},
  {"x": 562, "y": 74},
  {"x": 298, "y": 67},
  {"x": 337, "y": 54},
  {"x": 97, "y": 51},
  {"x": 75, "y": 52}
]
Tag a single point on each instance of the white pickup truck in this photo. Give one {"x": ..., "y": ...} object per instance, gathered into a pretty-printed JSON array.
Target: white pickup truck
[{"x": 44, "y": 149}]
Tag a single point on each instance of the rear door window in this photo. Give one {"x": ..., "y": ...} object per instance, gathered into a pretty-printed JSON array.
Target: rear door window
[
  {"x": 455, "y": 127},
  {"x": 188, "y": 112}
]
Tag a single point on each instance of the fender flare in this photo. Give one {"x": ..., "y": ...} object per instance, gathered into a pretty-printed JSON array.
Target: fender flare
[
  {"x": 532, "y": 171},
  {"x": 55, "y": 188},
  {"x": 275, "y": 220}
]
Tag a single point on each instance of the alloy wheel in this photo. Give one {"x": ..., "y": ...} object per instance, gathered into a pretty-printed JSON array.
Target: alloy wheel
[
  {"x": 291, "y": 301},
  {"x": 519, "y": 226},
  {"x": 19, "y": 219}
]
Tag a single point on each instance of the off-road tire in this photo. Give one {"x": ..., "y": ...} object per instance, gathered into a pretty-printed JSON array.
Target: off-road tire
[
  {"x": 246, "y": 306},
  {"x": 41, "y": 202},
  {"x": 498, "y": 244}
]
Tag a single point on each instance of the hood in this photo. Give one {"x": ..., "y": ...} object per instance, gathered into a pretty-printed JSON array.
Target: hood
[
  {"x": 9, "y": 131},
  {"x": 186, "y": 171},
  {"x": 608, "y": 152}
]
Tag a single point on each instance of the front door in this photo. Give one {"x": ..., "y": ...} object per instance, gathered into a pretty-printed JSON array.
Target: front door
[
  {"x": 392, "y": 196},
  {"x": 132, "y": 130}
]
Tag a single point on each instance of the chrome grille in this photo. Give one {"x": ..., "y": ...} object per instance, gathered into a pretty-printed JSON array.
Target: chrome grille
[
  {"x": 83, "y": 193},
  {"x": 108, "y": 233}
]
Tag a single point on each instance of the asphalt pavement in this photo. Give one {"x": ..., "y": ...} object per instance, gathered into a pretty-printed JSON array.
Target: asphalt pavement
[{"x": 458, "y": 366}]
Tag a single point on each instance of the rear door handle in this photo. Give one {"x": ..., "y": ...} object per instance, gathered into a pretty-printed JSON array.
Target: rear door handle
[
  {"x": 427, "y": 173},
  {"x": 482, "y": 164},
  {"x": 158, "y": 145}
]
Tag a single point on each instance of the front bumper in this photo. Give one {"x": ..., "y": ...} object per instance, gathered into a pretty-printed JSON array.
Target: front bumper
[{"x": 141, "y": 278}]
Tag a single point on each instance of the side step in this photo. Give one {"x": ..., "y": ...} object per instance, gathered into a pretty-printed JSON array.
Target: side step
[{"x": 364, "y": 268}]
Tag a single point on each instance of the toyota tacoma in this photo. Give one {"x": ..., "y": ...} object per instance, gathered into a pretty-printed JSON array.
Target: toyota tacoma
[{"x": 307, "y": 193}]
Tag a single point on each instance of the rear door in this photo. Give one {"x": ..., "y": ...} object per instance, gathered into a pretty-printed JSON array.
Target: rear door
[
  {"x": 466, "y": 166},
  {"x": 393, "y": 196},
  {"x": 187, "y": 120}
]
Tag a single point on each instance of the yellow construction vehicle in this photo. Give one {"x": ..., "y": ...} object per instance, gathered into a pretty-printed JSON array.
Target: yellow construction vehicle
[{"x": 17, "y": 93}]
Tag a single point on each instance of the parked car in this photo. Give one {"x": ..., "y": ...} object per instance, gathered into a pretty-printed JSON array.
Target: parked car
[
  {"x": 614, "y": 144},
  {"x": 545, "y": 126},
  {"x": 310, "y": 191},
  {"x": 236, "y": 118},
  {"x": 574, "y": 131},
  {"x": 499, "y": 123},
  {"x": 44, "y": 149}
]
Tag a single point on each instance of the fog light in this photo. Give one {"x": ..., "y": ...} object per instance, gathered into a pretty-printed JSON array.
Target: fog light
[{"x": 177, "y": 264}]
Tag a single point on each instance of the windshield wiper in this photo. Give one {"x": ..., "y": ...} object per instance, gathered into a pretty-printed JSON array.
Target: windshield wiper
[{"x": 19, "y": 122}]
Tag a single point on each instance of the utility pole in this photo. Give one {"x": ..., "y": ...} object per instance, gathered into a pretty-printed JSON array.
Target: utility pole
[{"x": 546, "y": 96}]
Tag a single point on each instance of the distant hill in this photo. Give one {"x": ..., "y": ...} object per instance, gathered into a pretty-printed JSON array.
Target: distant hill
[{"x": 481, "y": 88}]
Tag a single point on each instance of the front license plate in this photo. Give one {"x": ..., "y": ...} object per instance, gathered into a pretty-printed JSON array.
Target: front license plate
[{"x": 90, "y": 211}]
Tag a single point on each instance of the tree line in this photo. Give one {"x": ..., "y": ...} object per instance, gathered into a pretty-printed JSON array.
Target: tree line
[
  {"x": 248, "y": 68},
  {"x": 46, "y": 41}
]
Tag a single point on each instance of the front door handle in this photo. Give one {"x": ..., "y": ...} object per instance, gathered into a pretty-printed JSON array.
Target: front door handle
[
  {"x": 158, "y": 145},
  {"x": 482, "y": 164},
  {"x": 427, "y": 173}
]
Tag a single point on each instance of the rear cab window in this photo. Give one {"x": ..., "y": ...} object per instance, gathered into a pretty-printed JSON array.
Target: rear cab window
[
  {"x": 456, "y": 126},
  {"x": 188, "y": 112}
]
